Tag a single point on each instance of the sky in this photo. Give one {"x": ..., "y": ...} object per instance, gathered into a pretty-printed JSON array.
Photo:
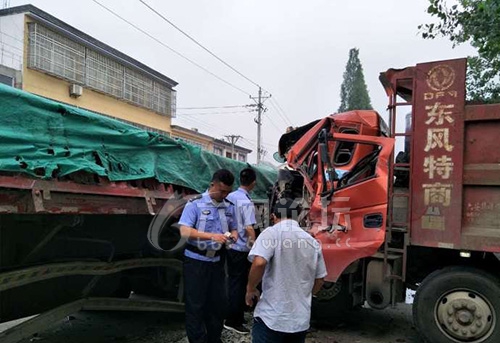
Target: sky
[{"x": 295, "y": 50}]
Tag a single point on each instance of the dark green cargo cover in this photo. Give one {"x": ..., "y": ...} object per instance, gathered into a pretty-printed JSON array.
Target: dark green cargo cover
[{"x": 48, "y": 139}]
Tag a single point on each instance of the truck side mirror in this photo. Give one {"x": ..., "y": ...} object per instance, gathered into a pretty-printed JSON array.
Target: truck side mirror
[{"x": 277, "y": 157}]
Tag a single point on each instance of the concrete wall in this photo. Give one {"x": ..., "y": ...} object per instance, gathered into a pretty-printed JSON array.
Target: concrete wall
[
  {"x": 11, "y": 38},
  {"x": 58, "y": 89}
]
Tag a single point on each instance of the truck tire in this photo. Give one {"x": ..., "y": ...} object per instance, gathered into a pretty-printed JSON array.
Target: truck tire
[
  {"x": 332, "y": 302},
  {"x": 458, "y": 304}
]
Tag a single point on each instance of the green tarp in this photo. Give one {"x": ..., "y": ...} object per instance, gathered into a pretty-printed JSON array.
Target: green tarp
[{"x": 47, "y": 139}]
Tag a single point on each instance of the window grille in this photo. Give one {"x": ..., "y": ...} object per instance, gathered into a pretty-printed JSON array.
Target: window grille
[
  {"x": 104, "y": 74},
  {"x": 138, "y": 89},
  {"x": 55, "y": 54},
  {"x": 173, "y": 103}
]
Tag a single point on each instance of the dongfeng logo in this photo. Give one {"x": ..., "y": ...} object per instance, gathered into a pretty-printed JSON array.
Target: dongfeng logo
[{"x": 440, "y": 77}]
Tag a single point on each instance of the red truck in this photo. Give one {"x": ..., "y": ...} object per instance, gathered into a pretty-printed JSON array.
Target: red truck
[{"x": 426, "y": 218}]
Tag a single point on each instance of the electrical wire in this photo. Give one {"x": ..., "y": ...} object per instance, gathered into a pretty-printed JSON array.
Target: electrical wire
[
  {"x": 253, "y": 142},
  {"x": 213, "y": 107},
  {"x": 171, "y": 49},
  {"x": 280, "y": 111},
  {"x": 210, "y": 127},
  {"x": 280, "y": 131},
  {"x": 212, "y": 113},
  {"x": 198, "y": 43}
]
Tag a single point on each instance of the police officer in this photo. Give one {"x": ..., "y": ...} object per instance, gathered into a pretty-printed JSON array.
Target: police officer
[
  {"x": 238, "y": 265},
  {"x": 206, "y": 221}
]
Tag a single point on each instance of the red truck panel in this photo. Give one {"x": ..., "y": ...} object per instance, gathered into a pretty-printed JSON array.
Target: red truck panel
[
  {"x": 456, "y": 163},
  {"x": 481, "y": 195},
  {"x": 437, "y": 153},
  {"x": 20, "y": 194}
]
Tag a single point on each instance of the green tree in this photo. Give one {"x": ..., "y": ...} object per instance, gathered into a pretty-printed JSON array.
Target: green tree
[
  {"x": 475, "y": 22},
  {"x": 353, "y": 91}
]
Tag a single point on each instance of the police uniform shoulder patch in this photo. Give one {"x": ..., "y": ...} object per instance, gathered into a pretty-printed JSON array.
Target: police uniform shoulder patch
[
  {"x": 229, "y": 201},
  {"x": 199, "y": 196}
]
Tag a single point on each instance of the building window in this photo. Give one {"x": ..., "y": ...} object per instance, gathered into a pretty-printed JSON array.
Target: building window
[
  {"x": 218, "y": 151},
  {"x": 242, "y": 157},
  {"x": 104, "y": 74},
  {"x": 7, "y": 80},
  {"x": 55, "y": 54},
  {"x": 138, "y": 89},
  {"x": 228, "y": 154}
]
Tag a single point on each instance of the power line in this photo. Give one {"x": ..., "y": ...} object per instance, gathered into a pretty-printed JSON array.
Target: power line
[
  {"x": 169, "y": 48},
  {"x": 208, "y": 126},
  {"x": 212, "y": 113},
  {"x": 213, "y": 107},
  {"x": 274, "y": 124},
  {"x": 280, "y": 111},
  {"x": 213, "y": 128},
  {"x": 198, "y": 43},
  {"x": 253, "y": 141}
]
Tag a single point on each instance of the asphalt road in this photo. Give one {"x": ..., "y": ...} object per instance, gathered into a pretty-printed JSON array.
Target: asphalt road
[{"x": 363, "y": 326}]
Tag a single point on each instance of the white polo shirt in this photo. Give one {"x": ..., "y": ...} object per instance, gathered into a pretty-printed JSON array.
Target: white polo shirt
[{"x": 294, "y": 261}]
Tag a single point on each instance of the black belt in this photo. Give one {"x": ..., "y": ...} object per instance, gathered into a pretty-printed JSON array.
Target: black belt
[{"x": 204, "y": 252}]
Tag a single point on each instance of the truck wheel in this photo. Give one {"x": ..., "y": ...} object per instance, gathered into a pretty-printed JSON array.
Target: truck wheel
[
  {"x": 458, "y": 304},
  {"x": 332, "y": 301}
]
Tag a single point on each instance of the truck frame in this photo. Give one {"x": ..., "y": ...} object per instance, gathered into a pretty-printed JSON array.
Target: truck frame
[{"x": 88, "y": 212}]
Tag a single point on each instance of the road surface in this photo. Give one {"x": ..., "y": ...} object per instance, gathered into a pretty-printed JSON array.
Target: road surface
[{"x": 365, "y": 326}]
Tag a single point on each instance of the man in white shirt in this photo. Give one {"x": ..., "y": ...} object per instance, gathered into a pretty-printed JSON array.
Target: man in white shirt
[{"x": 290, "y": 264}]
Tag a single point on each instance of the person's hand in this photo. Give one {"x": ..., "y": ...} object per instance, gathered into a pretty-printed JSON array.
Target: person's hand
[
  {"x": 250, "y": 243},
  {"x": 219, "y": 238},
  {"x": 252, "y": 297},
  {"x": 234, "y": 236}
]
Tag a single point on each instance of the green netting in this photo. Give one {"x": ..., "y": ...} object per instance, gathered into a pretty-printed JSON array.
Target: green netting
[{"x": 48, "y": 139}]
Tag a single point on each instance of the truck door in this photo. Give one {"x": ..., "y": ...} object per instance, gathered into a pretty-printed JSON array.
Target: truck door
[{"x": 349, "y": 218}]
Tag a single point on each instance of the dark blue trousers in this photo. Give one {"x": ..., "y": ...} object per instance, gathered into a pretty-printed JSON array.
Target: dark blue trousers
[
  {"x": 238, "y": 267},
  {"x": 262, "y": 334},
  {"x": 205, "y": 299}
]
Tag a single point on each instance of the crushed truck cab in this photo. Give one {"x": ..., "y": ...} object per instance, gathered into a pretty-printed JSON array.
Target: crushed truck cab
[
  {"x": 412, "y": 206},
  {"x": 345, "y": 194}
]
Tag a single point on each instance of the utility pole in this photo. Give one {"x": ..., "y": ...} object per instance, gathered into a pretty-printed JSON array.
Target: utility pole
[
  {"x": 260, "y": 108},
  {"x": 233, "y": 139}
]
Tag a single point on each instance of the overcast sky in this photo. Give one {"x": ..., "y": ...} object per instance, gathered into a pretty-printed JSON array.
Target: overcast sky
[{"x": 296, "y": 50}]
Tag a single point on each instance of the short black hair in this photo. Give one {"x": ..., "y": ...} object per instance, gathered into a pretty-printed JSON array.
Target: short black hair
[
  {"x": 224, "y": 176},
  {"x": 247, "y": 176},
  {"x": 286, "y": 208}
]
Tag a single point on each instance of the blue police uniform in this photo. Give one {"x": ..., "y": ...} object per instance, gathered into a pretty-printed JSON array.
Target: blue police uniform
[
  {"x": 204, "y": 215},
  {"x": 204, "y": 276},
  {"x": 245, "y": 216},
  {"x": 238, "y": 265}
]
